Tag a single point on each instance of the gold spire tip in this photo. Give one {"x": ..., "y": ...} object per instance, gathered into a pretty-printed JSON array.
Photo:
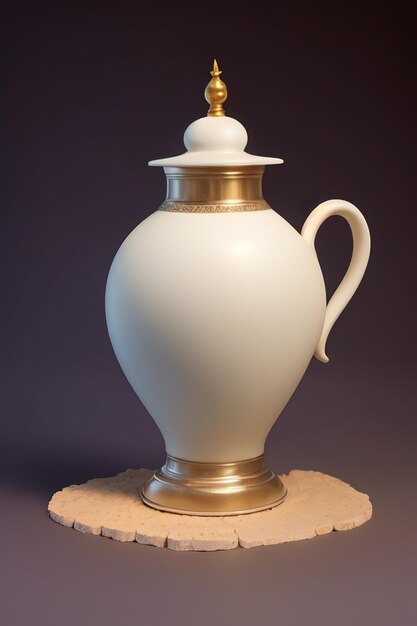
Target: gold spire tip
[
  {"x": 215, "y": 71},
  {"x": 215, "y": 93}
]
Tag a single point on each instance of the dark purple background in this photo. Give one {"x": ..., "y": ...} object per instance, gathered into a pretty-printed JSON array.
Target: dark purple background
[{"x": 92, "y": 93}]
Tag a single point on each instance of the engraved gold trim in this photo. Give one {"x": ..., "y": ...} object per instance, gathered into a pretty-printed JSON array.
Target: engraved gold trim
[
  {"x": 213, "y": 489},
  {"x": 181, "y": 207}
]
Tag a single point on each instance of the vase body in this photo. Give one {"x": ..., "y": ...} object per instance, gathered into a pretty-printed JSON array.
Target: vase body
[{"x": 214, "y": 318}]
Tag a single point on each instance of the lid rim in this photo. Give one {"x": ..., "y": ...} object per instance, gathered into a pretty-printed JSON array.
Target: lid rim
[{"x": 214, "y": 159}]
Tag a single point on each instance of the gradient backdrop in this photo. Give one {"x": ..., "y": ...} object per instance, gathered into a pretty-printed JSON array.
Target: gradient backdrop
[{"x": 94, "y": 91}]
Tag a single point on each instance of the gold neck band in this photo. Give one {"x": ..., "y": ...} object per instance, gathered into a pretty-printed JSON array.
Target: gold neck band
[{"x": 214, "y": 189}]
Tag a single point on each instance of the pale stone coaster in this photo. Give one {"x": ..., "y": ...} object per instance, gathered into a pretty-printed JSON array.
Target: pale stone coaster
[{"x": 315, "y": 505}]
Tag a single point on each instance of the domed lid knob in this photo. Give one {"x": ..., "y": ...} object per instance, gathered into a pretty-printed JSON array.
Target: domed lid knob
[
  {"x": 215, "y": 93},
  {"x": 215, "y": 140}
]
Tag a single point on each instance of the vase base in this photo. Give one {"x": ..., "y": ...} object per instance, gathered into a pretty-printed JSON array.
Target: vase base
[{"x": 208, "y": 489}]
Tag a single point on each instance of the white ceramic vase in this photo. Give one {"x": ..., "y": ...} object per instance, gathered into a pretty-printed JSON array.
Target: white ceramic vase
[{"x": 215, "y": 306}]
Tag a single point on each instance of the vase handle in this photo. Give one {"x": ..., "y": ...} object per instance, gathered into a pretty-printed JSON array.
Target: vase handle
[{"x": 360, "y": 255}]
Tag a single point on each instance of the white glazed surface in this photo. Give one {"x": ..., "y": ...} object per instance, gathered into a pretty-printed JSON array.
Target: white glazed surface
[
  {"x": 215, "y": 141},
  {"x": 357, "y": 266},
  {"x": 214, "y": 318}
]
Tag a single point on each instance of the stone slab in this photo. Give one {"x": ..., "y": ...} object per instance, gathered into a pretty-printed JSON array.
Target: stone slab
[{"x": 316, "y": 504}]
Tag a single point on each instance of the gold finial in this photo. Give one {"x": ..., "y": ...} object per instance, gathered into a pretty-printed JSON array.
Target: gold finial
[{"x": 215, "y": 93}]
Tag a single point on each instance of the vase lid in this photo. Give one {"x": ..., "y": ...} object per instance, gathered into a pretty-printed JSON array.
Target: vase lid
[{"x": 215, "y": 140}]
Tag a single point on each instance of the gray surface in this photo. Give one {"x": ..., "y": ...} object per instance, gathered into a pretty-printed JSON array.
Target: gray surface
[
  {"x": 338, "y": 104},
  {"x": 55, "y": 575}
]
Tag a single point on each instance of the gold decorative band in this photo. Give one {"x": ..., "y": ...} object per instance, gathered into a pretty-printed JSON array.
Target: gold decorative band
[
  {"x": 208, "y": 489},
  {"x": 214, "y": 189},
  {"x": 184, "y": 207}
]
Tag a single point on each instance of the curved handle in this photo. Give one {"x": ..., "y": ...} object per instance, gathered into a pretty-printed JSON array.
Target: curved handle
[{"x": 357, "y": 266}]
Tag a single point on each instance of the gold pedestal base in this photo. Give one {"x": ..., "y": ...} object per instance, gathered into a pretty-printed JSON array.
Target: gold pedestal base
[{"x": 208, "y": 489}]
